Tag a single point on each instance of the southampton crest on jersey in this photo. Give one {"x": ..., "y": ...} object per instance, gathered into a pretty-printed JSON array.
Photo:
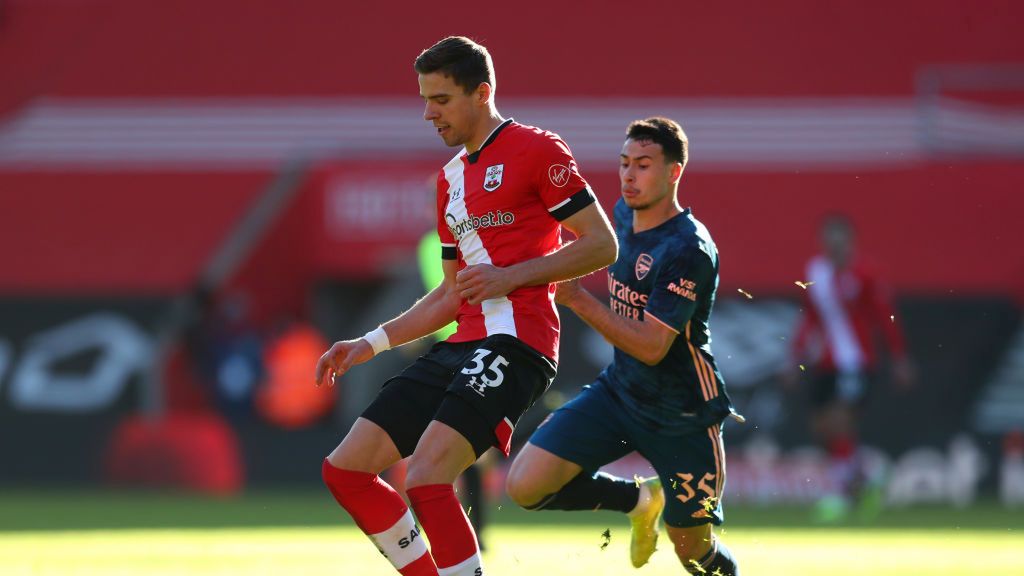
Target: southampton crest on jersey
[
  {"x": 643, "y": 266},
  {"x": 493, "y": 177}
]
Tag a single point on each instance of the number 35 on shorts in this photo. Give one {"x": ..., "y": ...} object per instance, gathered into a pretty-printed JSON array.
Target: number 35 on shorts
[
  {"x": 484, "y": 378},
  {"x": 708, "y": 503}
]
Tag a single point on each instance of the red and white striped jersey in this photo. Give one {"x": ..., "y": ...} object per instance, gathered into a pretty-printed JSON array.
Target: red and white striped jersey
[
  {"x": 502, "y": 205},
  {"x": 843, "y": 310}
]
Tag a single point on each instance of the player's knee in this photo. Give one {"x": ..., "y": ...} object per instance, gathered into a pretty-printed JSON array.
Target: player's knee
[
  {"x": 521, "y": 491},
  {"x": 523, "y": 488},
  {"x": 691, "y": 544},
  {"x": 426, "y": 468},
  {"x": 688, "y": 555},
  {"x": 419, "y": 473}
]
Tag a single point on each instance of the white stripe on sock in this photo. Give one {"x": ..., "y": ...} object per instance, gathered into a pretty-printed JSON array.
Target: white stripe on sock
[
  {"x": 467, "y": 567},
  {"x": 402, "y": 543}
]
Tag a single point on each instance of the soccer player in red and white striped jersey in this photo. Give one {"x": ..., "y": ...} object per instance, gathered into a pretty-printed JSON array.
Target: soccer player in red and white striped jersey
[
  {"x": 501, "y": 204},
  {"x": 845, "y": 307}
]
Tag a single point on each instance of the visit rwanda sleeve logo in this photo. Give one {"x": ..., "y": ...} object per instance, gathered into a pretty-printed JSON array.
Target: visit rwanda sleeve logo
[
  {"x": 493, "y": 177},
  {"x": 685, "y": 288}
]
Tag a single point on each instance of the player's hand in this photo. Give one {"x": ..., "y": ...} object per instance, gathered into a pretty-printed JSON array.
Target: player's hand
[
  {"x": 479, "y": 282},
  {"x": 567, "y": 292},
  {"x": 341, "y": 356}
]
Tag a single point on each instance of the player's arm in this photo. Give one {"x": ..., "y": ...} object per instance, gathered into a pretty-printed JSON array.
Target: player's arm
[
  {"x": 884, "y": 312},
  {"x": 807, "y": 330},
  {"x": 669, "y": 308},
  {"x": 884, "y": 315},
  {"x": 594, "y": 248},
  {"x": 646, "y": 340},
  {"x": 569, "y": 199},
  {"x": 428, "y": 315}
]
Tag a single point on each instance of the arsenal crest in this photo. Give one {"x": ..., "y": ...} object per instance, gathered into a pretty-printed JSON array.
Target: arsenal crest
[
  {"x": 643, "y": 266},
  {"x": 493, "y": 177}
]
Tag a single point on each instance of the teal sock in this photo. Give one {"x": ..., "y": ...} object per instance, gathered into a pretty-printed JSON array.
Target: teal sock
[
  {"x": 593, "y": 492},
  {"x": 717, "y": 562}
]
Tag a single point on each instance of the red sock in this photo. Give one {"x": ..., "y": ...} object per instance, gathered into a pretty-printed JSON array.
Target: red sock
[
  {"x": 452, "y": 540},
  {"x": 842, "y": 447},
  {"x": 383, "y": 516},
  {"x": 845, "y": 466}
]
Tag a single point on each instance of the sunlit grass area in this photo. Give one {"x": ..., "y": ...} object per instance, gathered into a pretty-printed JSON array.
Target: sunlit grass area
[{"x": 94, "y": 533}]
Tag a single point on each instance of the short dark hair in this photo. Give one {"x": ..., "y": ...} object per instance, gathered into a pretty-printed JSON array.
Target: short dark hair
[
  {"x": 662, "y": 131},
  {"x": 838, "y": 221},
  {"x": 459, "y": 58}
]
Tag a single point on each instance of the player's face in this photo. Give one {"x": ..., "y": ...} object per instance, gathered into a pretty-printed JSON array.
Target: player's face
[
  {"x": 452, "y": 112},
  {"x": 837, "y": 242},
  {"x": 646, "y": 178}
]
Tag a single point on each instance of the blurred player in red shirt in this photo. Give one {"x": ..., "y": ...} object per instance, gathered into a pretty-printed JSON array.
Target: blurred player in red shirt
[
  {"x": 845, "y": 307},
  {"x": 501, "y": 204}
]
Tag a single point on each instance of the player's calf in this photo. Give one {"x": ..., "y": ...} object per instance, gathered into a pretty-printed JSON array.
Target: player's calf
[
  {"x": 717, "y": 561},
  {"x": 383, "y": 516},
  {"x": 540, "y": 480},
  {"x": 536, "y": 474},
  {"x": 442, "y": 454},
  {"x": 584, "y": 492},
  {"x": 701, "y": 552}
]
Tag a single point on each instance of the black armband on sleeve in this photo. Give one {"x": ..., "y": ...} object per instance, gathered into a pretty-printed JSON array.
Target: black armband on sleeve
[{"x": 573, "y": 204}]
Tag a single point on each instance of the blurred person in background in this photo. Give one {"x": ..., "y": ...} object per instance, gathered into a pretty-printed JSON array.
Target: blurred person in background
[
  {"x": 845, "y": 306},
  {"x": 662, "y": 395},
  {"x": 502, "y": 203},
  {"x": 226, "y": 351},
  {"x": 285, "y": 398}
]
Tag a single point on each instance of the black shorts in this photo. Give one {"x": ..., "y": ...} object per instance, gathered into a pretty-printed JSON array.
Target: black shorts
[
  {"x": 479, "y": 388},
  {"x": 832, "y": 388}
]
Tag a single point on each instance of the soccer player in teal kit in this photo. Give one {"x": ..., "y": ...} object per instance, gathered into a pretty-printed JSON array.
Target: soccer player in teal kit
[{"x": 663, "y": 395}]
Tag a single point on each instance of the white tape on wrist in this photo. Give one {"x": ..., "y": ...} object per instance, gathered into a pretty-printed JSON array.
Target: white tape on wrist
[{"x": 378, "y": 340}]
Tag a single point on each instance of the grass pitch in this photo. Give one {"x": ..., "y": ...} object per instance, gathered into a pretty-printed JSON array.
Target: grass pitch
[
  {"x": 568, "y": 550},
  {"x": 89, "y": 534}
]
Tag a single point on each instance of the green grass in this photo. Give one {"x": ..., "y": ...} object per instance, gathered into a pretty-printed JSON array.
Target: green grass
[
  {"x": 96, "y": 509},
  {"x": 517, "y": 549},
  {"x": 97, "y": 533}
]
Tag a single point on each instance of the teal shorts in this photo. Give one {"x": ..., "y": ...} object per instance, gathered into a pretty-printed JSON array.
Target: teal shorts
[{"x": 594, "y": 429}]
